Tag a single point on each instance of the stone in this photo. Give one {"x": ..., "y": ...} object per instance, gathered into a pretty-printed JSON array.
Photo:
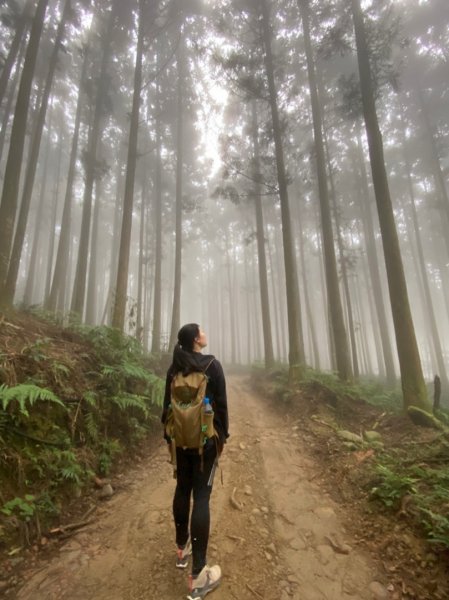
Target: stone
[
  {"x": 372, "y": 436},
  {"x": 248, "y": 491},
  {"x": 106, "y": 492},
  {"x": 378, "y": 590},
  {"x": 272, "y": 548},
  {"x": 348, "y": 436}
]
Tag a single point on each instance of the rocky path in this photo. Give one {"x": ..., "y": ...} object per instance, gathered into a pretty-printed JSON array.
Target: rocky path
[{"x": 275, "y": 533}]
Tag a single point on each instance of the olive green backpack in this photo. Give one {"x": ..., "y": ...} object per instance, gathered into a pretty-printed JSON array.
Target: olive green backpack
[{"x": 187, "y": 424}]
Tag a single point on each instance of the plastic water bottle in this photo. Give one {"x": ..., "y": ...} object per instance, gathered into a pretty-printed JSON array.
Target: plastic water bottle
[{"x": 207, "y": 407}]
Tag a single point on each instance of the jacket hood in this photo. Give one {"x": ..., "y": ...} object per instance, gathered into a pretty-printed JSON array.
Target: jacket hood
[{"x": 189, "y": 362}]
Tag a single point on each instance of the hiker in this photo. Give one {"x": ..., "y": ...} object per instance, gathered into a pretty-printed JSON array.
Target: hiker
[{"x": 195, "y": 466}]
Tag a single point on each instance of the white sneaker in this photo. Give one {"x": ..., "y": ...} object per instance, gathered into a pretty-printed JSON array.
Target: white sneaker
[
  {"x": 205, "y": 582},
  {"x": 182, "y": 555}
]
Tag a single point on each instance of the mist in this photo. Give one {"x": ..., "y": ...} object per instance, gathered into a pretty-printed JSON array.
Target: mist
[{"x": 274, "y": 171}]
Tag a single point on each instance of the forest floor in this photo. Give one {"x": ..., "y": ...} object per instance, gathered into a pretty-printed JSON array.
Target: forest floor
[{"x": 285, "y": 524}]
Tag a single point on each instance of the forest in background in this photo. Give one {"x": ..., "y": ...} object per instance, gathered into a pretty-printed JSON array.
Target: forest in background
[{"x": 273, "y": 170}]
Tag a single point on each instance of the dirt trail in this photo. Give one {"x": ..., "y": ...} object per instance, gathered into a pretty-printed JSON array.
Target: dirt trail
[{"x": 286, "y": 539}]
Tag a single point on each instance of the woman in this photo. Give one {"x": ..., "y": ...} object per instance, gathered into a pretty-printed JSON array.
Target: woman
[{"x": 195, "y": 473}]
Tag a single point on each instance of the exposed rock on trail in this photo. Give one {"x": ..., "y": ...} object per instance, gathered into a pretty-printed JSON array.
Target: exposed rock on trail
[{"x": 275, "y": 533}]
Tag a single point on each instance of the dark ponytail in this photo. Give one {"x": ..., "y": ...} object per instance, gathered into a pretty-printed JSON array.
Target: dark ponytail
[
  {"x": 184, "y": 358},
  {"x": 187, "y": 335}
]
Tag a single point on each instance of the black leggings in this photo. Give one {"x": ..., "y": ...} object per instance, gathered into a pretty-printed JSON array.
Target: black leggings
[{"x": 190, "y": 477}]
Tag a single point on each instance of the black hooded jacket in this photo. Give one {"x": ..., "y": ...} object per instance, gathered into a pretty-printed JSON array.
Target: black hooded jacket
[{"x": 188, "y": 362}]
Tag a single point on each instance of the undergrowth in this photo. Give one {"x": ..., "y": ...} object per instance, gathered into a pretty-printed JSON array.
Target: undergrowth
[
  {"x": 411, "y": 479},
  {"x": 70, "y": 405}
]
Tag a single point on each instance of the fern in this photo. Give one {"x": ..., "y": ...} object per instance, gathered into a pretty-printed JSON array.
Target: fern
[
  {"x": 90, "y": 398},
  {"x": 128, "y": 401},
  {"x": 91, "y": 426},
  {"x": 25, "y": 394},
  {"x": 157, "y": 391},
  {"x": 135, "y": 371},
  {"x": 70, "y": 474}
]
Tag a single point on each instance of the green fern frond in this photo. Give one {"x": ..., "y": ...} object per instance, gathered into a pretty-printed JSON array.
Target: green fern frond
[
  {"x": 128, "y": 401},
  {"x": 24, "y": 394},
  {"x": 134, "y": 371},
  {"x": 90, "y": 398},
  {"x": 109, "y": 372},
  {"x": 70, "y": 474},
  {"x": 59, "y": 367},
  {"x": 91, "y": 426},
  {"x": 157, "y": 391}
]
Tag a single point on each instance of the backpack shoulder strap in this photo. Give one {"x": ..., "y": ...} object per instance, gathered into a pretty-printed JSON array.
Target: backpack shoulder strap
[{"x": 209, "y": 364}]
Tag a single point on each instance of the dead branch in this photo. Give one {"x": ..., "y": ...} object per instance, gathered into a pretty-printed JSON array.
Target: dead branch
[
  {"x": 236, "y": 538},
  {"x": 235, "y": 503},
  {"x": 64, "y": 529},
  {"x": 254, "y": 592}
]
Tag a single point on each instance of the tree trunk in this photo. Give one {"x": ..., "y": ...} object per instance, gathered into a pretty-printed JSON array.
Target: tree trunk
[
  {"x": 176, "y": 312},
  {"x": 10, "y": 98},
  {"x": 140, "y": 270},
  {"x": 262, "y": 261},
  {"x": 58, "y": 286},
  {"x": 413, "y": 385},
  {"x": 53, "y": 210},
  {"x": 295, "y": 335},
  {"x": 90, "y": 160},
  {"x": 157, "y": 304},
  {"x": 333, "y": 290},
  {"x": 22, "y": 26},
  {"x": 9, "y": 200},
  {"x": 315, "y": 352},
  {"x": 92, "y": 286},
  {"x": 373, "y": 265},
  {"x": 14, "y": 262},
  {"x": 428, "y": 304},
  {"x": 118, "y": 318},
  {"x": 29, "y": 285}
]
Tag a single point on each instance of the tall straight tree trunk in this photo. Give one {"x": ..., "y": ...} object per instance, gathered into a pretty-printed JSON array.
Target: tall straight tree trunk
[
  {"x": 412, "y": 380},
  {"x": 437, "y": 172},
  {"x": 295, "y": 334},
  {"x": 115, "y": 246},
  {"x": 31, "y": 275},
  {"x": 90, "y": 161},
  {"x": 373, "y": 263},
  {"x": 428, "y": 304},
  {"x": 10, "y": 98},
  {"x": 262, "y": 261},
  {"x": 309, "y": 312},
  {"x": 176, "y": 311},
  {"x": 53, "y": 210},
  {"x": 22, "y": 25},
  {"x": 14, "y": 262},
  {"x": 118, "y": 318},
  {"x": 330, "y": 261},
  {"x": 276, "y": 311},
  {"x": 92, "y": 285},
  {"x": 345, "y": 278},
  {"x": 231, "y": 296},
  {"x": 140, "y": 269},
  {"x": 157, "y": 304},
  {"x": 58, "y": 286},
  {"x": 10, "y": 194}
]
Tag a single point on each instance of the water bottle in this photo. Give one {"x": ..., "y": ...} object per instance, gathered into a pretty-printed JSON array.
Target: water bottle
[
  {"x": 207, "y": 406},
  {"x": 208, "y": 418}
]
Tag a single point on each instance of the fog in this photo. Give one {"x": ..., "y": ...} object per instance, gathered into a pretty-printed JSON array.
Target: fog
[{"x": 188, "y": 161}]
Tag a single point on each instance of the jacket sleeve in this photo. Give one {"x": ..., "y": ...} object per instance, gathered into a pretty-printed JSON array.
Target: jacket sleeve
[
  {"x": 167, "y": 395},
  {"x": 220, "y": 402}
]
